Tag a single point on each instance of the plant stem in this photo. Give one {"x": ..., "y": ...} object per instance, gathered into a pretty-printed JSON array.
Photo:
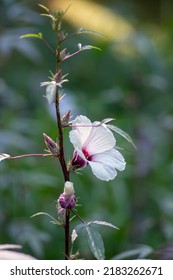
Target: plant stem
[
  {"x": 61, "y": 145},
  {"x": 67, "y": 234},
  {"x": 65, "y": 173},
  {"x": 61, "y": 140},
  {"x": 30, "y": 155}
]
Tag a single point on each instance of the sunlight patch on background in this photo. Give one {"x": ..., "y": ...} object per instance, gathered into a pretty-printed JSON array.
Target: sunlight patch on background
[{"x": 94, "y": 16}]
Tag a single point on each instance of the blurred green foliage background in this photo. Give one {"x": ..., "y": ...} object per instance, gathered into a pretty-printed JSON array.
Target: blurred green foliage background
[{"x": 129, "y": 80}]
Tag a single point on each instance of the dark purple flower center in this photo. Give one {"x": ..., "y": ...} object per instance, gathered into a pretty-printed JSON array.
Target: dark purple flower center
[{"x": 78, "y": 161}]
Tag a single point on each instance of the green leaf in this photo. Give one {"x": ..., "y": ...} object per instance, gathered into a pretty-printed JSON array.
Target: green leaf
[
  {"x": 38, "y": 35},
  {"x": 76, "y": 231},
  {"x": 103, "y": 223},
  {"x": 44, "y": 8},
  {"x": 90, "y": 32},
  {"x": 95, "y": 242},
  {"x": 87, "y": 47},
  {"x": 46, "y": 214},
  {"x": 47, "y": 15},
  {"x": 79, "y": 227},
  {"x": 122, "y": 133},
  {"x": 107, "y": 120}
]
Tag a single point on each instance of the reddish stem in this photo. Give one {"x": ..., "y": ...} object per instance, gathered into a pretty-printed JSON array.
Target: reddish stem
[{"x": 30, "y": 155}]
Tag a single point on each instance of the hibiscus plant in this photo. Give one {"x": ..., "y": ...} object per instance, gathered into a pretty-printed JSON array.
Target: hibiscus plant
[{"x": 94, "y": 145}]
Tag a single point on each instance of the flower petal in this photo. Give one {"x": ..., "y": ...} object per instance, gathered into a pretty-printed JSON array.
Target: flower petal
[
  {"x": 112, "y": 158},
  {"x": 79, "y": 134},
  {"x": 84, "y": 127},
  {"x": 75, "y": 139},
  {"x": 99, "y": 140},
  {"x": 102, "y": 171}
]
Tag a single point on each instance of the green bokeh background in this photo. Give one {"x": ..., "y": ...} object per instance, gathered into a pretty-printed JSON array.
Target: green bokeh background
[{"x": 129, "y": 80}]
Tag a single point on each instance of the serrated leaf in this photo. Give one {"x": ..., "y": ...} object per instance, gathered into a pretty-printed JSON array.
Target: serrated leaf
[
  {"x": 103, "y": 223},
  {"x": 122, "y": 133},
  {"x": 34, "y": 35},
  {"x": 46, "y": 214},
  {"x": 95, "y": 242},
  {"x": 4, "y": 156}
]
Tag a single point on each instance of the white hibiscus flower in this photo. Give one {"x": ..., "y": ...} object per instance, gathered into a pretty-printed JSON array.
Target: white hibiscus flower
[{"x": 94, "y": 144}]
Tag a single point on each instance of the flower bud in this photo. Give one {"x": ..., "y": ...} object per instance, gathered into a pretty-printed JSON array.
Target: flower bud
[
  {"x": 53, "y": 147},
  {"x": 67, "y": 199},
  {"x": 61, "y": 214},
  {"x": 67, "y": 203},
  {"x": 68, "y": 189},
  {"x": 66, "y": 118}
]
